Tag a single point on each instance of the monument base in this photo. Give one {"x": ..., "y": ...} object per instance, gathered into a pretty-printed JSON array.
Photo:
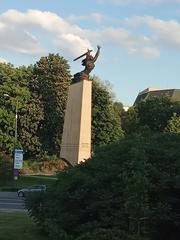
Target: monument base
[{"x": 76, "y": 138}]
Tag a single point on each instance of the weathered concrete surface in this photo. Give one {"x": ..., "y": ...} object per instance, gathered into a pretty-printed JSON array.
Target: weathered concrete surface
[{"x": 76, "y": 139}]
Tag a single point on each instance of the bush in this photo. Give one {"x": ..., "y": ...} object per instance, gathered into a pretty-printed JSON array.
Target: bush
[
  {"x": 48, "y": 167},
  {"x": 35, "y": 203},
  {"x": 103, "y": 234},
  {"x": 133, "y": 185}
]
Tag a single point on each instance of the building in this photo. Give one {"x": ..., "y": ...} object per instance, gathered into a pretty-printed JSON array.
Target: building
[{"x": 149, "y": 93}]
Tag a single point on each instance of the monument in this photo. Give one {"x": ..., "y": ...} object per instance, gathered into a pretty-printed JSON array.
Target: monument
[{"x": 76, "y": 138}]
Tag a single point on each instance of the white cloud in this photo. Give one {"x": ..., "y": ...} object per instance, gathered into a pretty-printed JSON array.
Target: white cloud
[
  {"x": 135, "y": 44},
  {"x": 72, "y": 44},
  {"x": 19, "y": 41},
  {"x": 163, "y": 33},
  {"x": 118, "y": 36},
  {"x": 27, "y": 32},
  {"x": 95, "y": 17},
  {"x": 2, "y": 60},
  {"x": 16, "y": 32},
  {"x": 150, "y": 52},
  {"x": 19, "y": 32}
]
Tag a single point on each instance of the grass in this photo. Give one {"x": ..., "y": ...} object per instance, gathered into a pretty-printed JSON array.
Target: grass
[
  {"x": 27, "y": 181},
  {"x": 19, "y": 226}
]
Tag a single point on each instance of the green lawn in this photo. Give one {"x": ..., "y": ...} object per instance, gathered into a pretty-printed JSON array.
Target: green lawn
[
  {"x": 19, "y": 226},
  {"x": 26, "y": 181}
]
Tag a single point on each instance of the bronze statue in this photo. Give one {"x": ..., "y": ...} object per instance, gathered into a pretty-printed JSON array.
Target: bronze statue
[{"x": 88, "y": 62}]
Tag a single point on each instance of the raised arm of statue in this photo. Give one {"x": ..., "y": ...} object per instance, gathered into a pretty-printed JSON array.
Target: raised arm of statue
[{"x": 97, "y": 53}]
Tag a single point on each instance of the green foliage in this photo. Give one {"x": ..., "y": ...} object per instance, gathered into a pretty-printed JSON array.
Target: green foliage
[
  {"x": 36, "y": 201},
  {"x": 132, "y": 185},
  {"x": 39, "y": 94},
  {"x": 173, "y": 125},
  {"x": 51, "y": 78},
  {"x": 103, "y": 234},
  {"x": 14, "y": 94},
  {"x": 130, "y": 120},
  {"x": 109, "y": 234},
  {"x": 155, "y": 113},
  {"x": 106, "y": 125},
  {"x": 118, "y": 108},
  {"x": 6, "y": 118},
  {"x": 6, "y": 130},
  {"x": 152, "y": 114},
  {"x": 30, "y": 125},
  {"x": 30, "y": 117}
]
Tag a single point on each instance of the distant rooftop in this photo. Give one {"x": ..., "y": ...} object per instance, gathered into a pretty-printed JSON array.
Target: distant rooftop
[
  {"x": 151, "y": 89},
  {"x": 148, "y": 93}
]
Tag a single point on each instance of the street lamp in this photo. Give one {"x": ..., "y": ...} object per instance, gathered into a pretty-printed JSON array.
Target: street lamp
[{"x": 15, "y": 141}]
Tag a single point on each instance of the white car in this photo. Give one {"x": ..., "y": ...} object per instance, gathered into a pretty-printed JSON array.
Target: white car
[{"x": 34, "y": 188}]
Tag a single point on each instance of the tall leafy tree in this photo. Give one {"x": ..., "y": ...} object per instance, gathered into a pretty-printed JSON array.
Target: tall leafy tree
[
  {"x": 51, "y": 79},
  {"x": 31, "y": 119},
  {"x": 106, "y": 126},
  {"x": 14, "y": 95},
  {"x": 155, "y": 113},
  {"x": 118, "y": 108},
  {"x": 152, "y": 114},
  {"x": 7, "y": 72},
  {"x": 130, "y": 120}
]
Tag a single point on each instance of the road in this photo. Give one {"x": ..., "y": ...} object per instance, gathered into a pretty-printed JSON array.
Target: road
[{"x": 9, "y": 201}]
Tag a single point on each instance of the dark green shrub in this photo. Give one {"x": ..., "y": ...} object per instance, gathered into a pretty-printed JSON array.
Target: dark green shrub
[
  {"x": 107, "y": 234},
  {"x": 56, "y": 233},
  {"x": 132, "y": 186},
  {"x": 103, "y": 234},
  {"x": 35, "y": 204}
]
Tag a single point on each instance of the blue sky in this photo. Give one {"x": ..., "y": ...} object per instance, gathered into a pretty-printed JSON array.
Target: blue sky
[{"x": 140, "y": 39}]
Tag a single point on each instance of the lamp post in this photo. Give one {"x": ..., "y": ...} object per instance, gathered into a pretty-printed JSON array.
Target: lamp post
[{"x": 15, "y": 144}]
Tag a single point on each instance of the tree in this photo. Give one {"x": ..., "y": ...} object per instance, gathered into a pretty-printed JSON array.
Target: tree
[
  {"x": 31, "y": 125},
  {"x": 130, "y": 120},
  {"x": 106, "y": 125},
  {"x": 25, "y": 121},
  {"x": 14, "y": 94},
  {"x": 152, "y": 114},
  {"x": 51, "y": 79},
  {"x": 155, "y": 113},
  {"x": 173, "y": 125},
  {"x": 7, "y": 72},
  {"x": 118, "y": 108}
]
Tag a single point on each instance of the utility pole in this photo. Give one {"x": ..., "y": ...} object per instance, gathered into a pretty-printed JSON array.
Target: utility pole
[{"x": 15, "y": 171}]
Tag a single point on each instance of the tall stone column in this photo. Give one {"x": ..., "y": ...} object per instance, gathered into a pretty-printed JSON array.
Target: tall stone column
[{"x": 76, "y": 138}]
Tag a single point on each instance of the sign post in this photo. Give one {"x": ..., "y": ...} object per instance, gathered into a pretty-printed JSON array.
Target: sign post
[{"x": 18, "y": 162}]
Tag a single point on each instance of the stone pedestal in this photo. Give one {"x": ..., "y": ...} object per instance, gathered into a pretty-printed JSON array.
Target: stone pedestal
[{"x": 76, "y": 139}]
